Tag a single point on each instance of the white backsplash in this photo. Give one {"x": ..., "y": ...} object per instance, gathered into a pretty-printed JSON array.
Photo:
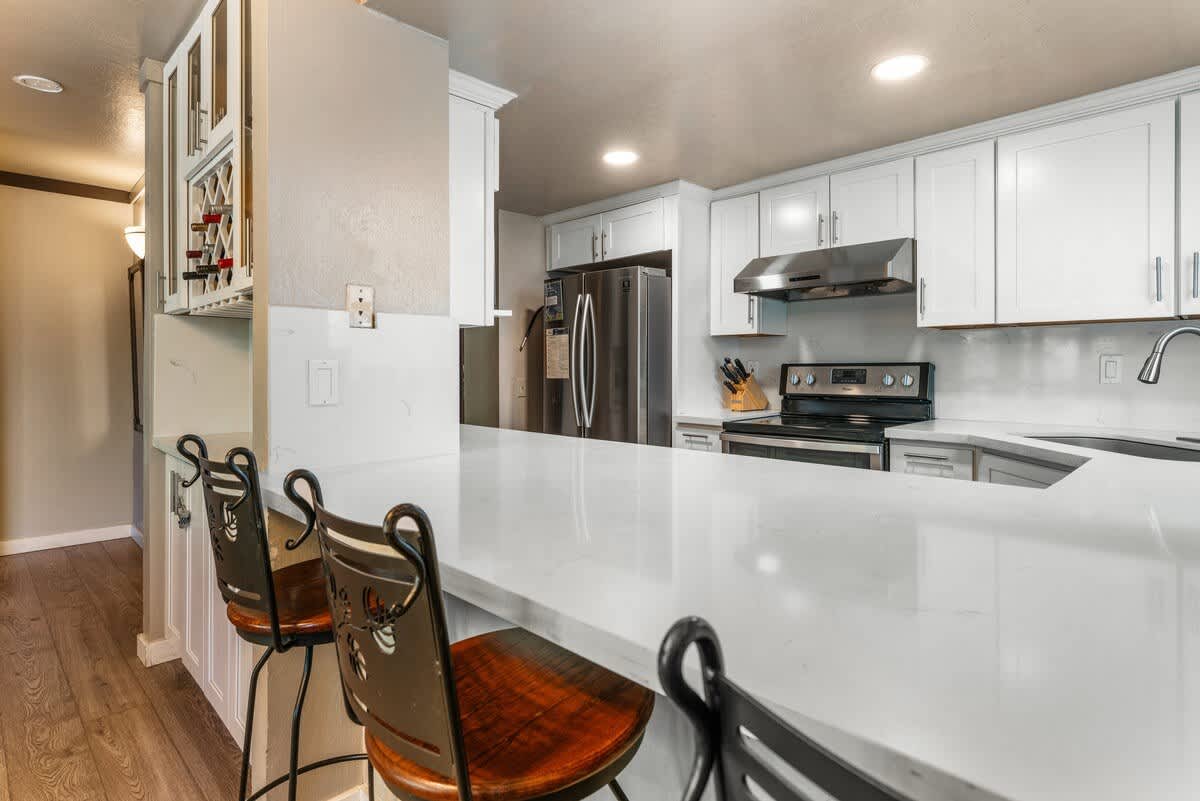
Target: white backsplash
[
  {"x": 398, "y": 388},
  {"x": 1047, "y": 374}
]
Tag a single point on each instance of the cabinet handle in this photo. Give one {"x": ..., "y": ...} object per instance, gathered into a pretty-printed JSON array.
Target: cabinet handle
[
  {"x": 921, "y": 295},
  {"x": 1196, "y": 275},
  {"x": 1158, "y": 278},
  {"x": 200, "y": 141},
  {"x": 928, "y": 458},
  {"x": 820, "y": 225},
  {"x": 595, "y": 256},
  {"x": 834, "y": 228},
  {"x": 749, "y": 311}
]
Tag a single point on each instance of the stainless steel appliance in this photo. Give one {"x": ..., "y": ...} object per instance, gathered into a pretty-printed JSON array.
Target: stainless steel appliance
[
  {"x": 872, "y": 268},
  {"x": 608, "y": 355},
  {"x": 836, "y": 413}
]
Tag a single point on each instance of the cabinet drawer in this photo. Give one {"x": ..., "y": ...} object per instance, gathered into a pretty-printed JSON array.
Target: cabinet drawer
[
  {"x": 698, "y": 438},
  {"x": 924, "y": 459}
]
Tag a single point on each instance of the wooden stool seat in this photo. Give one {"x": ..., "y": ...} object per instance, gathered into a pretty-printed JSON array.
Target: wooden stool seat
[
  {"x": 302, "y": 605},
  {"x": 538, "y": 722}
]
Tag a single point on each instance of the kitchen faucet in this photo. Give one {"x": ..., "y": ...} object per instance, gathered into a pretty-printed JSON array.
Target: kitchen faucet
[{"x": 1153, "y": 366}]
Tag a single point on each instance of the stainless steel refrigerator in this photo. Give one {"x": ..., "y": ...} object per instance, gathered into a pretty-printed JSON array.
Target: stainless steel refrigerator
[{"x": 607, "y": 369}]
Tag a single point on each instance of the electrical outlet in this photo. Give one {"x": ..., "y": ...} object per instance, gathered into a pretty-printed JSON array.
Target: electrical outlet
[
  {"x": 360, "y": 305},
  {"x": 1112, "y": 365},
  {"x": 752, "y": 366},
  {"x": 522, "y": 388},
  {"x": 323, "y": 382}
]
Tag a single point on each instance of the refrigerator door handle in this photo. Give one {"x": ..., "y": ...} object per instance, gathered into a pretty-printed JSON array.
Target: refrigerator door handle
[
  {"x": 573, "y": 367},
  {"x": 590, "y": 314}
]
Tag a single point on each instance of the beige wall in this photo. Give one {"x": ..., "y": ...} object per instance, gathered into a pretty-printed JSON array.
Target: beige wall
[
  {"x": 357, "y": 154},
  {"x": 521, "y": 268},
  {"x": 66, "y": 409}
]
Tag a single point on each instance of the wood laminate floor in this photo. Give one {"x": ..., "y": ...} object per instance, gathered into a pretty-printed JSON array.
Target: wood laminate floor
[{"x": 81, "y": 719}]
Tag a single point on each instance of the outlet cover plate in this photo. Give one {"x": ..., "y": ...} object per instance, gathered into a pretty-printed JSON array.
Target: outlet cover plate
[
  {"x": 360, "y": 305},
  {"x": 1112, "y": 365},
  {"x": 323, "y": 381}
]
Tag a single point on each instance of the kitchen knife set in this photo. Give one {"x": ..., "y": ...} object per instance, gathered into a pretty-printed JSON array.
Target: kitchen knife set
[{"x": 742, "y": 392}]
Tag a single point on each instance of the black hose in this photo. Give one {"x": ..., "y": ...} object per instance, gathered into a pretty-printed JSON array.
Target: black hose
[{"x": 529, "y": 328}]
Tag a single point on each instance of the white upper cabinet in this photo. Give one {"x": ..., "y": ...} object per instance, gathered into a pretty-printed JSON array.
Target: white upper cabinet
[
  {"x": 1189, "y": 205},
  {"x": 632, "y": 230},
  {"x": 174, "y": 287},
  {"x": 733, "y": 232},
  {"x": 1086, "y": 219},
  {"x": 574, "y": 242},
  {"x": 956, "y": 236},
  {"x": 223, "y": 24},
  {"x": 794, "y": 217},
  {"x": 871, "y": 204},
  {"x": 473, "y": 173}
]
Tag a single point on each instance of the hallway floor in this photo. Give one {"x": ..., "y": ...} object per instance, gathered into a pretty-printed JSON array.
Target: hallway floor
[{"x": 82, "y": 719}]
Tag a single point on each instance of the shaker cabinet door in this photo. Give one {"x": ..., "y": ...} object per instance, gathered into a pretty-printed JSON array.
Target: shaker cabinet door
[
  {"x": 794, "y": 217},
  {"x": 956, "y": 236},
  {"x": 632, "y": 230},
  {"x": 1086, "y": 219},
  {"x": 1189, "y": 206},
  {"x": 574, "y": 242},
  {"x": 872, "y": 204}
]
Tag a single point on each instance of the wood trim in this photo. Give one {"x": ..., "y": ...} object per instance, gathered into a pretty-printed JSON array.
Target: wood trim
[
  {"x": 1163, "y": 87},
  {"x": 39, "y": 184},
  {"x": 66, "y": 539}
]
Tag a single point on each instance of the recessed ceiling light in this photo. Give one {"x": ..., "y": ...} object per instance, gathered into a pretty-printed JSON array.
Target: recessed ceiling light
[
  {"x": 620, "y": 158},
  {"x": 899, "y": 68},
  {"x": 38, "y": 84}
]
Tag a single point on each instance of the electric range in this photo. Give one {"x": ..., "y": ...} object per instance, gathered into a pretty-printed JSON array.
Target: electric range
[{"x": 836, "y": 414}]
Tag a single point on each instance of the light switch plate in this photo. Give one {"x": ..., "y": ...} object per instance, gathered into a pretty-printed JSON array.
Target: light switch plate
[
  {"x": 1112, "y": 366},
  {"x": 323, "y": 389},
  {"x": 360, "y": 305}
]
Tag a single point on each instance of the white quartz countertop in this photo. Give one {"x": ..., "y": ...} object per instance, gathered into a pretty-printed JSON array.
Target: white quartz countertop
[
  {"x": 716, "y": 418},
  {"x": 1041, "y": 644}
]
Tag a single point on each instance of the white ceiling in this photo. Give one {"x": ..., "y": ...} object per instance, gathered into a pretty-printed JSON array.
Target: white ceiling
[
  {"x": 722, "y": 91},
  {"x": 93, "y": 131}
]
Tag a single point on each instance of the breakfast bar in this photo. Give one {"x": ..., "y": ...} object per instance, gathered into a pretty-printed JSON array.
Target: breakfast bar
[{"x": 960, "y": 640}]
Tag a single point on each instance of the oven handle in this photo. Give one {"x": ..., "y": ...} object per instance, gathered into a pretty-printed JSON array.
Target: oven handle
[{"x": 867, "y": 448}]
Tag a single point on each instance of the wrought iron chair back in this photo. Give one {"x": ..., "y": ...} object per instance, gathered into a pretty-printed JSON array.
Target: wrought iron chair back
[
  {"x": 237, "y": 530},
  {"x": 390, "y": 630},
  {"x": 740, "y": 738}
]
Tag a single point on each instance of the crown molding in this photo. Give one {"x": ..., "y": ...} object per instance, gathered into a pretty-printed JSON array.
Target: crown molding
[
  {"x": 477, "y": 91},
  {"x": 685, "y": 188}
]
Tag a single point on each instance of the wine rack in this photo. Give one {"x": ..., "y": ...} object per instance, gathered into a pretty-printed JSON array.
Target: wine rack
[{"x": 213, "y": 242}]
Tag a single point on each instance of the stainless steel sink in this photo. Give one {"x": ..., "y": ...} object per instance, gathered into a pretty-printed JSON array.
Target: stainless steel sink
[{"x": 1128, "y": 447}]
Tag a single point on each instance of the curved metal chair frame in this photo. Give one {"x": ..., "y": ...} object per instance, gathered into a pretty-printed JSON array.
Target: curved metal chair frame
[
  {"x": 733, "y": 732},
  {"x": 237, "y": 532}
]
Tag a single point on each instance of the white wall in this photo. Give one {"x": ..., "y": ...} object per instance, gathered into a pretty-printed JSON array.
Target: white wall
[
  {"x": 521, "y": 266},
  {"x": 1046, "y": 374}
]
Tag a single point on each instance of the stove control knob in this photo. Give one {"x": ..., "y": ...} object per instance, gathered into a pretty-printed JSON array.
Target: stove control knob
[
  {"x": 888, "y": 379},
  {"x": 906, "y": 380},
  {"x": 795, "y": 379},
  {"x": 810, "y": 379}
]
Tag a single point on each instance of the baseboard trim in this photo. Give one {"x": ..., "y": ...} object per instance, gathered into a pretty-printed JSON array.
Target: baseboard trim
[
  {"x": 65, "y": 539},
  {"x": 136, "y": 534},
  {"x": 357, "y": 794},
  {"x": 155, "y": 652}
]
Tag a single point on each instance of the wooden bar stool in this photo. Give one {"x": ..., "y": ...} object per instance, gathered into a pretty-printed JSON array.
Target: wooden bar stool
[
  {"x": 505, "y": 716},
  {"x": 281, "y": 609},
  {"x": 734, "y": 732}
]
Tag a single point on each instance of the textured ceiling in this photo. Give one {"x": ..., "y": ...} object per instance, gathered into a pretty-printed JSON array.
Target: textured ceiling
[
  {"x": 93, "y": 131},
  {"x": 722, "y": 91}
]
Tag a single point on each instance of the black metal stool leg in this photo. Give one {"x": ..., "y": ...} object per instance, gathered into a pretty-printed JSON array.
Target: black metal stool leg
[
  {"x": 295, "y": 755},
  {"x": 258, "y": 666},
  {"x": 370, "y": 781},
  {"x": 617, "y": 791}
]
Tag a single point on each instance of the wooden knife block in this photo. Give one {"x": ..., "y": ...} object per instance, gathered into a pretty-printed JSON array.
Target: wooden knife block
[{"x": 748, "y": 398}]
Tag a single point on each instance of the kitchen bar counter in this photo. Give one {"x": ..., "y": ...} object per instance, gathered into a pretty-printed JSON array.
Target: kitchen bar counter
[{"x": 1041, "y": 644}]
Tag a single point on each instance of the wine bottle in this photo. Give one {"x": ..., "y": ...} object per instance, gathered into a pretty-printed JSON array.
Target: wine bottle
[
  {"x": 220, "y": 208},
  {"x": 197, "y": 254},
  {"x": 225, "y": 264},
  {"x": 212, "y": 218},
  {"x": 199, "y": 227}
]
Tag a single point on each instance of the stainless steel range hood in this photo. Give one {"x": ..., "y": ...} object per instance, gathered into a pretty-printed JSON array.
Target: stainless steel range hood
[{"x": 875, "y": 268}]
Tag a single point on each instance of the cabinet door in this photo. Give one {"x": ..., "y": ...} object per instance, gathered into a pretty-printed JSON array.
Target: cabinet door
[
  {"x": 574, "y": 242},
  {"x": 199, "y": 573},
  {"x": 995, "y": 469},
  {"x": 222, "y": 29},
  {"x": 178, "y": 530},
  {"x": 1189, "y": 205},
  {"x": 632, "y": 230},
  {"x": 794, "y": 217},
  {"x": 698, "y": 439},
  {"x": 733, "y": 242},
  {"x": 872, "y": 204},
  {"x": 174, "y": 288},
  {"x": 472, "y": 249},
  {"x": 1086, "y": 219},
  {"x": 956, "y": 236},
  {"x": 923, "y": 459},
  {"x": 193, "y": 86},
  {"x": 217, "y": 652}
]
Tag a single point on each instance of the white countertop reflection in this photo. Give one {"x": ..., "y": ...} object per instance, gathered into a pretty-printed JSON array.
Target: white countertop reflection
[{"x": 1041, "y": 644}]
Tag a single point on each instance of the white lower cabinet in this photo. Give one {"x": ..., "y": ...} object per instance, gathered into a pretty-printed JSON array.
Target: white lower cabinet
[
  {"x": 1189, "y": 205},
  {"x": 218, "y": 659},
  {"x": 956, "y": 236},
  {"x": 698, "y": 438},
  {"x": 1004, "y": 469},
  {"x": 1086, "y": 219},
  {"x": 925, "y": 459},
  {"x": 734, "y": 237}
]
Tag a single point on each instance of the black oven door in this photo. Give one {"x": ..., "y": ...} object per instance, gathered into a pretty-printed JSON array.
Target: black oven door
[{"x": 863, "y": 455}]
